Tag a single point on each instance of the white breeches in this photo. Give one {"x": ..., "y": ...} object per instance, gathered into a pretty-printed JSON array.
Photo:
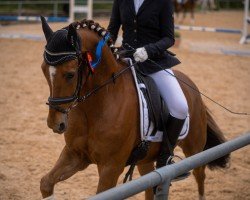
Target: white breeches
[{"x": 171, "y": 92}]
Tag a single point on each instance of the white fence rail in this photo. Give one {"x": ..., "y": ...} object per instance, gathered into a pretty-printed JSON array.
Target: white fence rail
[{"x": 164, "y": 175}]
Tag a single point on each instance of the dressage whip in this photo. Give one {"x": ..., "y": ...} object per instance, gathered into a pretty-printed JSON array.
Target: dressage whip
[{"x": 194, "y": 89}]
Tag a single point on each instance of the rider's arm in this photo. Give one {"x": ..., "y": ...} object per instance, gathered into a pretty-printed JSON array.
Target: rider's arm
[{"x": 166, "y": 31}]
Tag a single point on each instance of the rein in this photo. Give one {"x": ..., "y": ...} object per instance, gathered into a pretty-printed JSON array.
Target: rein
[
  {"x": 112, "y": 79},
  {"x": 131, "y": 50}
]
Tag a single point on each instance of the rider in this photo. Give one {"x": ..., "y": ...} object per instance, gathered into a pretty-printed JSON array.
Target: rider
[{"x": 148, "y": 27}]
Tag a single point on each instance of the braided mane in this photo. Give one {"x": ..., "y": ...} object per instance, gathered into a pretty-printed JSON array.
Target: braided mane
[{"x": 91, "y": 25}]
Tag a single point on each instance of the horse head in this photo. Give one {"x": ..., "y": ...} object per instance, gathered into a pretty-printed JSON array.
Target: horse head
[{"x": 67, "y": 66}]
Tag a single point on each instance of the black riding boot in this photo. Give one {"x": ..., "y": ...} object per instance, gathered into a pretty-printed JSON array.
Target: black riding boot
[{"x": 169, "y": 141}]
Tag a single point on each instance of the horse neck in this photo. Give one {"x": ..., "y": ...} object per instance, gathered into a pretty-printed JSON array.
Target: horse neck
[
  {"x": 108, "y": 64},
  {"x": 104, "y": 70}
]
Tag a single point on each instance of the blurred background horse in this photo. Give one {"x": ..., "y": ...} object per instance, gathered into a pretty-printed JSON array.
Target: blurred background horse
[{"x": 184, "y": 6}]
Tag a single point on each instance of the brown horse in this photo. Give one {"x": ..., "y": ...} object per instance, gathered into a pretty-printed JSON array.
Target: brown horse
[
  {"x": 184, "y": 6},
  {"x": 103, "y": 129}
]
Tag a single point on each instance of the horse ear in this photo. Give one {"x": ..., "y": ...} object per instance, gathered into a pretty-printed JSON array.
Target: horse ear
[
  {"x": 72, "y": 35},
  {"x": 46, "y": 29}
]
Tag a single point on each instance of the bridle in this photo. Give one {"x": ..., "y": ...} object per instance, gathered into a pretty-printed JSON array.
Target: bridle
[
  {"x": 55, "y": 102},
  {"x": 84, "y": 61}
]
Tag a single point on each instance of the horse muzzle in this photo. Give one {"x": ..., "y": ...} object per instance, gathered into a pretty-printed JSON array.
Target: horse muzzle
[
  {"x": 57, "y": 122},
  {"x": 60, "y": 128}
]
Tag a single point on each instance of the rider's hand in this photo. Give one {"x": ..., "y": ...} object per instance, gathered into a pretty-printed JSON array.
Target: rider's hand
[{"x": 140, "y": 55}]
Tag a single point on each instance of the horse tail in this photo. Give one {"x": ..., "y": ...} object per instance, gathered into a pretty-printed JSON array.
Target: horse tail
[{"x": 215, "y": 137}]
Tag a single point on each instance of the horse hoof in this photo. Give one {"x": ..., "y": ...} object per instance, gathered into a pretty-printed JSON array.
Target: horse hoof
[
  {"x": 50, "y": 197},
  {"x": 46, "y": 188},
  {"x": 202, "y": 197}
]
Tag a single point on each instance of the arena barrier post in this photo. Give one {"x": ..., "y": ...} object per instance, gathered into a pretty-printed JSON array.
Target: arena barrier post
[
  {"x": 246, "y": 21},
  {"x": 88, "y": 9}
]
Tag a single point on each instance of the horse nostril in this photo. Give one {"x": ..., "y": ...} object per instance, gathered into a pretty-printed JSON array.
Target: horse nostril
[{"x": 62, "y": 127}]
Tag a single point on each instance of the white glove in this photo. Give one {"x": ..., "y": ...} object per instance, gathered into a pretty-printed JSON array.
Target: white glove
[{"x": 140, "y": 55}]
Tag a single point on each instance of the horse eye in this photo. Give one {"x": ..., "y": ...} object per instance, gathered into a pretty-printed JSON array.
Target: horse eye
[{"x": 69, "y": 76}]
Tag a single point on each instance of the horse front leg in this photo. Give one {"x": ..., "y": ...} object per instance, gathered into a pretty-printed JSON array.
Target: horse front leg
[
  {"x": 192, "y": 16},
  {"x": 179, "y": 18},
  {"x": 67, "y": 165},
  {"x": 184, "y": 15},
  {"x": 108, "y": 176}
]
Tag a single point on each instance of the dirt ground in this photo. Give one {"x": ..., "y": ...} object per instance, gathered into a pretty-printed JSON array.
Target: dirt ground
[{"x": 28, "y": 148}]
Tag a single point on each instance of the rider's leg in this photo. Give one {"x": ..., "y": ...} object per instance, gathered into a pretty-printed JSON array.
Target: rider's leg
[{"x": 173, "y": 96}]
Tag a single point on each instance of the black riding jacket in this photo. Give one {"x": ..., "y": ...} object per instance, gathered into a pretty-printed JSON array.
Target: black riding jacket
[{"x": 152, "y": 27}]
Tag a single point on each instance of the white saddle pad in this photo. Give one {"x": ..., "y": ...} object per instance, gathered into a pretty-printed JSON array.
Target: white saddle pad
[{"x": 146, "y": 126}]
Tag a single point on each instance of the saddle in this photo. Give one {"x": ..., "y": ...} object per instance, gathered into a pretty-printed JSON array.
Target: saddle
[{"x": 157, "y": 109}]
